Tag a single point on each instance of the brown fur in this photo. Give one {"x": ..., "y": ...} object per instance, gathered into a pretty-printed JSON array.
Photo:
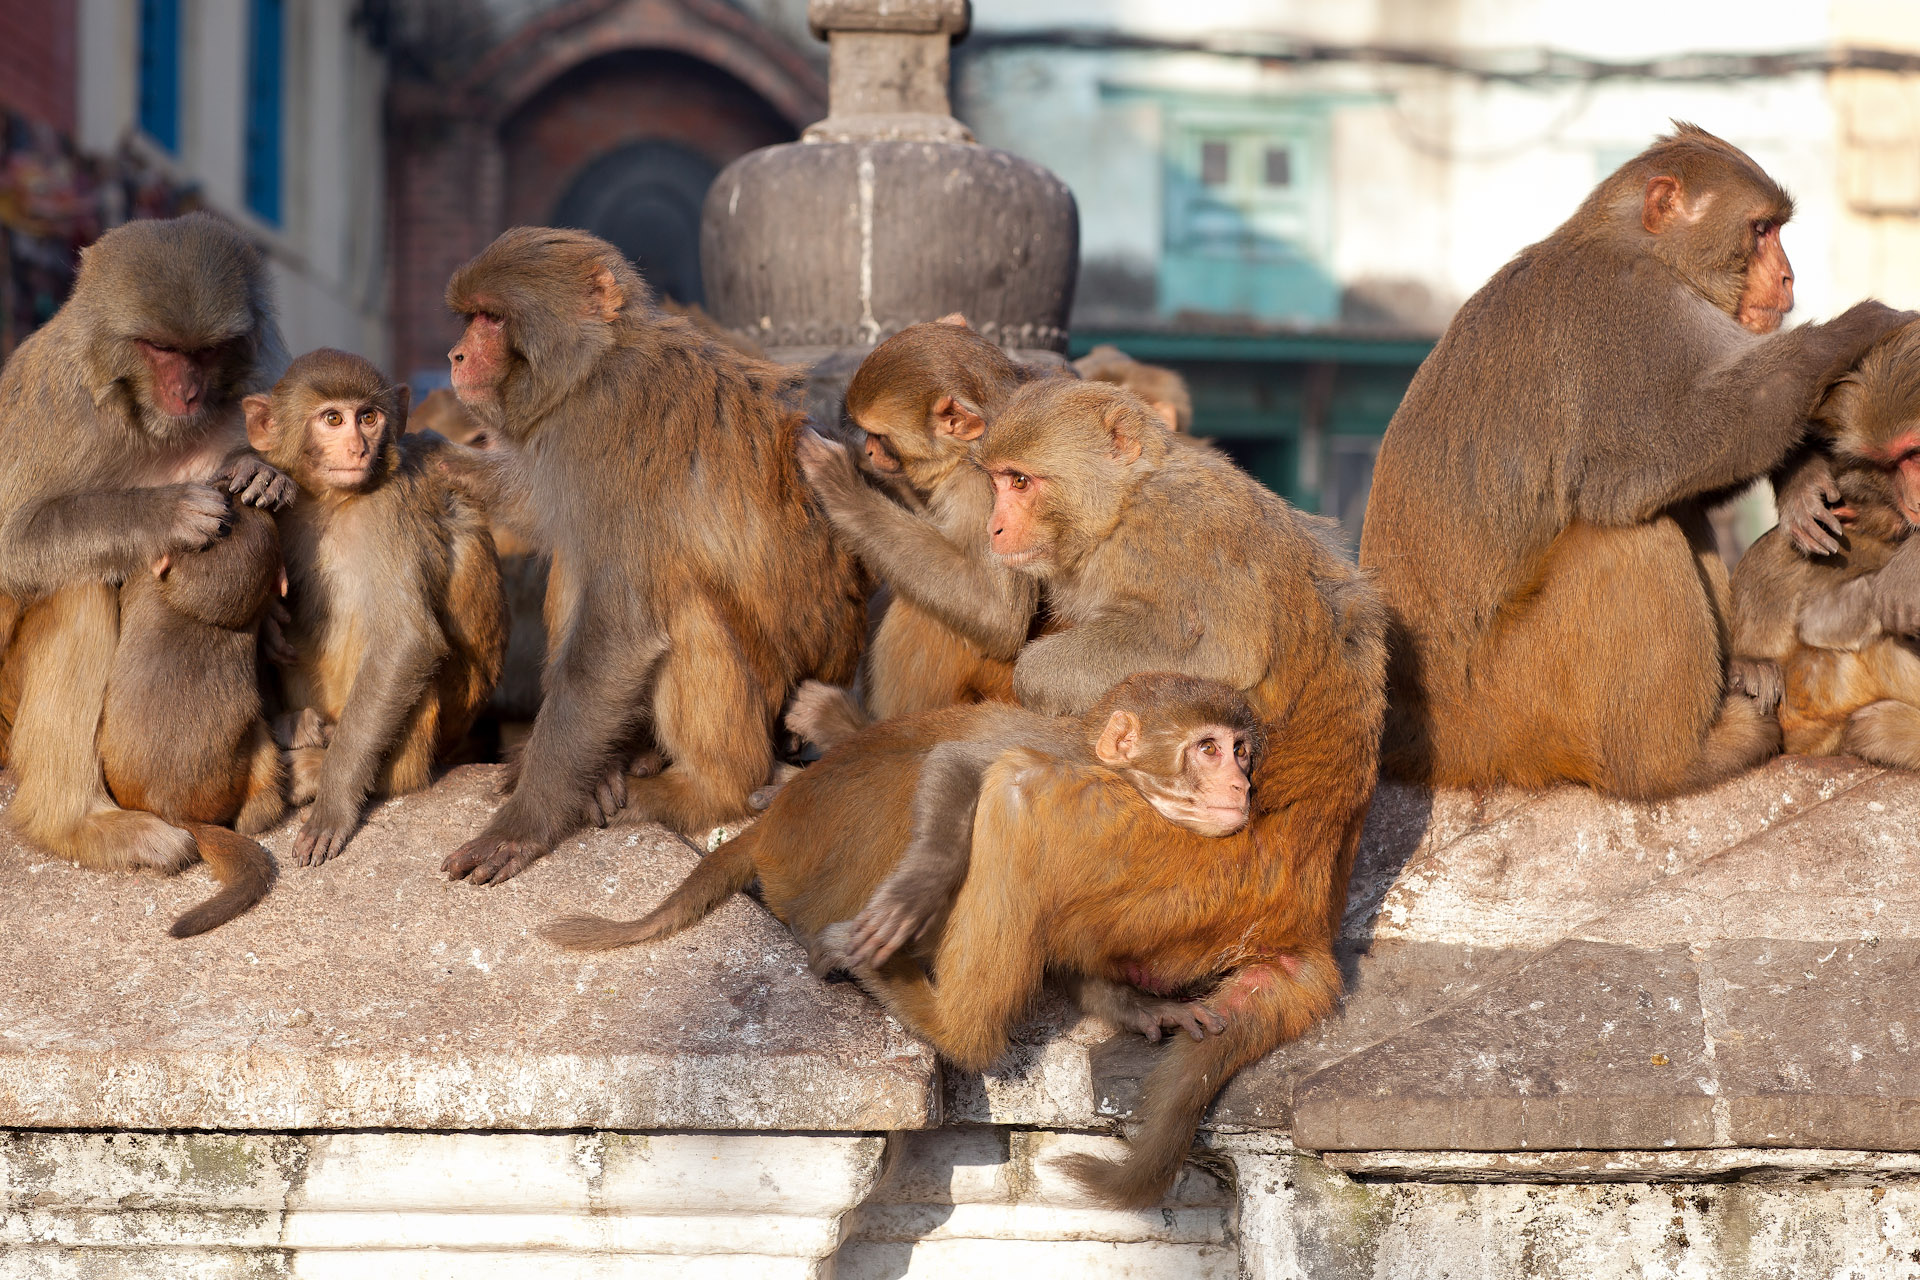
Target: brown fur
[
  {"x": 98, "y": 481},
  {"x": 1164, "y": 390},
  {"x": 182, "y": 735},
  {"x": 1143, "y": 916},
  {"x": 957, "y": 617},
  {"x": 398, "y": 619},
  {"x": 1165, "y": 556},
  {"x": 1850, "y": 669},
  {"x": 694, "y": 583},
  {"x": 1537, "y": 513}
]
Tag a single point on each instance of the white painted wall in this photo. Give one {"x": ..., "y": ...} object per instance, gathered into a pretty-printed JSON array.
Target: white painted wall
[{"x": 327, "y": 257}]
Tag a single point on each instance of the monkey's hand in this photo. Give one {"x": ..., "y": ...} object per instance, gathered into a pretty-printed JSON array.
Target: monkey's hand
[
  {"x": 1759, "y": 679},
  {"x": 898, "y": 912},
  {"x": 1151, "y": 1017},
  {"x": 258, "y": 484},
  {"x": 828, "y": 466},
  {"x": 324, "y": 837},
  {"x": 1896, "y": 591},
  {"x": 1810, "y": 510},
  {"x": 491, "y": 859},
  {"x": 200, "y": 516}
]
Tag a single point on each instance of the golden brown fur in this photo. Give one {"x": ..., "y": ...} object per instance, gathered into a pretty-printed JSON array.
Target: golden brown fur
[
  {"x": 1146, "y": 925},
  {"x": 1848, "y": 662},
  {"x": 1164, "y": 390},
  {"x": 1537, "y": 513},
  {"x": 103, "y": 470},
  {"x": 694, "y": 582}
]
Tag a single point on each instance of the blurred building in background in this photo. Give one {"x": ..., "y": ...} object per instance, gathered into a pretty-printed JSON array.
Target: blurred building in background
[{"x": 1285, "y": 199}]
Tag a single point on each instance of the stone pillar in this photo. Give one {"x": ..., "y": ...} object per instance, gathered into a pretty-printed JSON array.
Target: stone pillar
[{"x": 887, "y": 213}]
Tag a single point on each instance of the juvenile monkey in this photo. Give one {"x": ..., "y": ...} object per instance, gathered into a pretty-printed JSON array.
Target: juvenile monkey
[
  {"x": 1164, "y": 390},
  {"x": 1844, "y": 642},
  {"x": 120, "y": 442},
  {"x": 182, "y": 735},
  {"x": 399, "y": 625},
  {"x": 840, "y": 829},
  {"x": 1537, "y": 517},
  {"x": 957, "y": 616}
]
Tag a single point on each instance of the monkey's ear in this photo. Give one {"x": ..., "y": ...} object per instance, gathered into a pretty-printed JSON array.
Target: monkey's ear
[
  {"x": 259, "y": 411},
  {"x": 1119, "y": 740},
  {"x": 605, "y": 295},
  {"x": 1166, "y": 412},
  {"x": 958, "y": 419},
  {"x": 1835, "y": 406},
  {"x": 402, "y": 406},
  {"x": 954, "y": 318},
  {"x": 1664, "y": 204},
  {"x": 1124, "y": 427}
]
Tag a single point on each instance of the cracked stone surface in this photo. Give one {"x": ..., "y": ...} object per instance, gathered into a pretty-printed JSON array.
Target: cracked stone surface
[{"x": 372, "y": 993}]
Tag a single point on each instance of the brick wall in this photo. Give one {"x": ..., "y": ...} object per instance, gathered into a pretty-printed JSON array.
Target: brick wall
[{"x": 37, "y": 67}]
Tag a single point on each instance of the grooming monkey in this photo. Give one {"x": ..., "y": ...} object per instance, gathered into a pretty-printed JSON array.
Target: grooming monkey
[
  {"x": 399, "y": 625},
  {"x": 1843, "y": 636},
  {"x": 1537, "y": 517},
  {"x": 120, "y": 442},
  {"x": 957, "y": 616},
  {"x": 206, "y": 760},
  {"x": 836, "y": 832}
]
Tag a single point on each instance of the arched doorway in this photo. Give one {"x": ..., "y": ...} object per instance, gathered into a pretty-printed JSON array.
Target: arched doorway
[
  {"x": 625, "y": 146},
  {"x": 644, "y": 198}
]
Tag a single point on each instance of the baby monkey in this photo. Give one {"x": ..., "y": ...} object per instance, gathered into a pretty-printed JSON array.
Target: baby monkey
[
  {"x": 1841, "y": 630},
  {"x": 883, "y": 826},
  {"x": 398, "y": 622}
]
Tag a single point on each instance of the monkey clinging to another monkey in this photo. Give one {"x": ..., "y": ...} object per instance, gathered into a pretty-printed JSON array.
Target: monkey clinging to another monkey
[
  {"x": 399, "y": 625},
  {"x": 1842, "y": 633}
]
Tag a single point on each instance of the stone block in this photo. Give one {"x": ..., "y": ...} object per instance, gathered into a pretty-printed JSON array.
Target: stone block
[{"x": 372, "y": 993}]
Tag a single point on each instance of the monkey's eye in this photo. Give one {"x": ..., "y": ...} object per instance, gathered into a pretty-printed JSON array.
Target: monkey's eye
[
  {"x": 1240, "y": 751},
  {"x": 1208, "y": 747},
  {"x": 333, "y": 418},
  {"x": 1761, "y": 228},
  {"x": 1018, "y": 482},
  {"x": 369, "y": 418}
]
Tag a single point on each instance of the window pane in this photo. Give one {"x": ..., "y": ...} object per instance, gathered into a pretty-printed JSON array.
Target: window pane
[
  {"x": 160, "y": 71},
  {"x": 1213, "y": 163},
  {"x": 1279, "y": 167},
  {"x": 263, "y": 109}
]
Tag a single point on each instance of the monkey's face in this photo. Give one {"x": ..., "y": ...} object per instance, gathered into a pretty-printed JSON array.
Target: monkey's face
[
  {"x": 1198, "y": 777},
  {"x": 1768, "y": 294},
  {"x": 179, "y": 384},
  {"x": 480, "y": 361},
  {"x": 345, "y": 441},
  {"x": 1017, "y": 529}
]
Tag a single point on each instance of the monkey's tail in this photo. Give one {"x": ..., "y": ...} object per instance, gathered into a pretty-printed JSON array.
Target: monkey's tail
[
  {"x": 719, "y": 875},
  {"x": 244, "y": 869},
  {"x": 1264, "y": 1005},
  {"x": 825, "y": 715}
]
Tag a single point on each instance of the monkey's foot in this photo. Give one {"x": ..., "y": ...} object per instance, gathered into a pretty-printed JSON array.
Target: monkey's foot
[
  {"x": 1151, "y": 1017},
  {"x": 827, "y": 952},
  {"x": 491, "y": 859},
  {"x": 128, "y": 840},
  {"x": 782, "y": 775}
]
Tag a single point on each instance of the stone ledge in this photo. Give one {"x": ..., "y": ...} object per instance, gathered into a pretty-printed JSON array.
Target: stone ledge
[{"x": 370, "y": 993}]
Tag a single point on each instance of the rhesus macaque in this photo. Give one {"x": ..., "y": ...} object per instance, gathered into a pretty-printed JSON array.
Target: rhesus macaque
[
  {"x": 694, "y": 582},
  {"x": 182, "y": 735},
  {"x": 1843, "y": 636},
  {"x": 1164, "y": 390},
  {"x": 398, "y": 622},
  {"x": 1537, "y": 518},
  {"x": 1139, "y": 928},
  {"x": 523, "y": 576},
  {"x": 1161, "y": 555},
  {"x": 120, "y": 441},
  {"x": 957, "y": 616}
]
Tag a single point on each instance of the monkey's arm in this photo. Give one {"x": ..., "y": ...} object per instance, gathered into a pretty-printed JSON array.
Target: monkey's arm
[
  {"x": 971, "y": 593},
  {"x": 1767, "y": 587},
  {"x": 1896, "y": 590},
  {"x": 1843, "y": 615},
  {"x": 105, "y": 535},
  {"x": 1734, "y": 420},
  {"x": 494, "y": 478},
  {"x": 935, "y": 863},
  {"x": 404, "y": 648},
  {"x": 1065, "y": 673}
]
